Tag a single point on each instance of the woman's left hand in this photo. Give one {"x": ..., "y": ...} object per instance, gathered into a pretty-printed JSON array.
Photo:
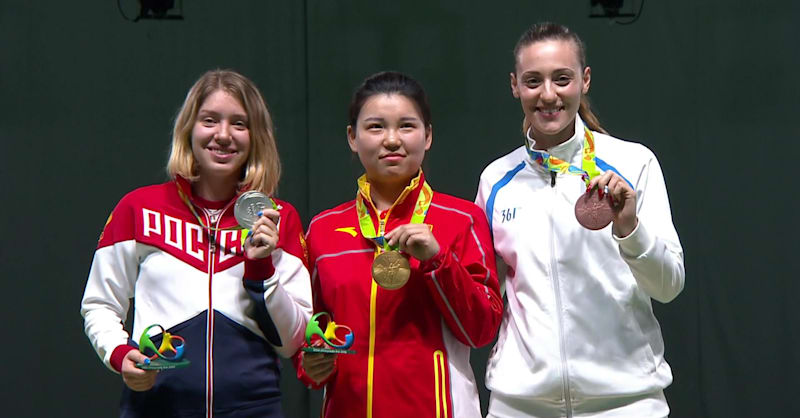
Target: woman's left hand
[
  {"x": 264, "y": 235},
  {"x": 414, "y": 239},
  {"x": 623, "y": 198}
]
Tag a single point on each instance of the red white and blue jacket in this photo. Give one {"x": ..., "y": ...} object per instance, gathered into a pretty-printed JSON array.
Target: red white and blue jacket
[
  {"x": 235, "y": 314},
  {"x": 412, "y": 344}
]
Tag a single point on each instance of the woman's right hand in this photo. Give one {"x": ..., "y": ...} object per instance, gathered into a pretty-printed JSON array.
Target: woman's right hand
[
  {"x": 135, "y": 378},
  {"x": 264, "y": 235},
  {"x": 318, "y": 366}
]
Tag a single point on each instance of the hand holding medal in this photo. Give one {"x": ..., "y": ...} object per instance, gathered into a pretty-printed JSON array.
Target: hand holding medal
[
  {"x": 619, "y": 202},
  {"x": 258, "y": 213},
  {"x": 390, "y": 268},
  {"x": 594, "y": 210},
  {"x": 416, "y": 240}
]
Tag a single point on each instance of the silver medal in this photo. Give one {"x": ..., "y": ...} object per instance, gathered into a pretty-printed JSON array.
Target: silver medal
[{"x": 247, "y": 207}]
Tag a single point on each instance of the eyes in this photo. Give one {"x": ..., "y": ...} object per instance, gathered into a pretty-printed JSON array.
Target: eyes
[
  {"x": 403, "y": 126},
  {"x": 210, "y": 121},
  {"x": 561, "y": 80}
]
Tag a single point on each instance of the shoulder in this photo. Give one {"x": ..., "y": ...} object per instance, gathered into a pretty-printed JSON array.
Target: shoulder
[
  {"x": 612, "y": 148},
  {"x": 503, "y": 166},
  {"x": 331, "y": 215},
  {"x": 150, "y": 194},
  {"x": 121, "y": 222},
  {"x": 289, "y": 215},
  {"x": 287, "y": 209}
]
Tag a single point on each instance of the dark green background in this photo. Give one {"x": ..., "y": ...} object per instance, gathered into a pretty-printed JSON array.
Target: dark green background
[{"x": 86, "y": 106}]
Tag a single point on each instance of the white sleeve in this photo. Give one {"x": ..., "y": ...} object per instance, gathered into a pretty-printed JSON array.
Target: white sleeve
[
  {"x": 287, "y": 296},
  {"x": 106, "y": 299},
  {"x": 653, "y": 251}
]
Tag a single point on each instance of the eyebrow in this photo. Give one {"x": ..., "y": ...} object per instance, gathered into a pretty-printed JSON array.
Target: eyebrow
[
  {"x": 213, "y": 113},
  {"x": 557, "y": 70},
  {"x": 380, "y": 119}
]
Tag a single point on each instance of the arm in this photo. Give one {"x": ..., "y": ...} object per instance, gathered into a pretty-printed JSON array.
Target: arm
[
  {"x": 110, "y": 287},
  {"x": 279, "y": 284},
  {"x": 652, "y": 250},
  {"x": 316, "y": 369},
  {"x": 460, "y": 275}
]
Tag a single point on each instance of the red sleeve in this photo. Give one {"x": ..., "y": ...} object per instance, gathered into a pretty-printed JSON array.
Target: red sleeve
[
  {"x": 118, "y": 355},
  {"x": 462, "y": 279}
]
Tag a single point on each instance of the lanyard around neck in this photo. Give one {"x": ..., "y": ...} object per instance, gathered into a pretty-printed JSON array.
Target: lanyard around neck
[
  {"x": 417, "y": 217},
  {"x": 189, "y": 204},
  {"x": 588, "y": 169}
]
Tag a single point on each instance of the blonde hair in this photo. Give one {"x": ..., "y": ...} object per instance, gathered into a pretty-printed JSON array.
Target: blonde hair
[
  {"x": 546, "y": 31},
  {"x": 263, "y": 168}
]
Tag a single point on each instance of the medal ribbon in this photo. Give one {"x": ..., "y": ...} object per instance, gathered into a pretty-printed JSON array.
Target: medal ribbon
[
  {"x": 588, "y": 169},
  {"x": 189, "y": 204},
  {"x": 365, "y": 221}
]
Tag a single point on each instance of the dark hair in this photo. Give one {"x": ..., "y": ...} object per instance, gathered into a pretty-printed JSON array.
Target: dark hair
[
  {"x": 390, "y": 82},
  {"x": 546, "y": 31}
]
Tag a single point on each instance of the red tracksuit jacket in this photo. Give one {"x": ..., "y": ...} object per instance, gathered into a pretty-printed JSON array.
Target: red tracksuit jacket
[{"x": 412, "y": 344}]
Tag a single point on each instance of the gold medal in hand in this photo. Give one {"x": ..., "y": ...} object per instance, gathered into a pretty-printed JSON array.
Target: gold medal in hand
[{"x": 391, "y": 270}]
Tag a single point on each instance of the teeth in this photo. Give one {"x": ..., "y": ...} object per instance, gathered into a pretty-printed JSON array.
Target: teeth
[{"x": 550, "y": 111}]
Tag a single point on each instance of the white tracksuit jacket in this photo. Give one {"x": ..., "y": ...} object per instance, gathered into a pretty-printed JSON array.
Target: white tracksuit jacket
[{"x": 579, "y": 329}]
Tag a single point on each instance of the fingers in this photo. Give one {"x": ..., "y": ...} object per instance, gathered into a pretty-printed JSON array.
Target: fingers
[
  {"x": 414, "y": 239},
  {"x": 135, "y": 378},
  {"x": 265, "y": 230},
  {"x": 623, "y": 198},
  {"x": 612, "y": 184},
  {"x": 406, "y": 235},
  {"x": 319, "y": 366}
]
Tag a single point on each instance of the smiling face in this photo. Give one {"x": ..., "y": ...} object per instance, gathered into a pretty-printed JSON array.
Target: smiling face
[
  {"x": 549, "y": 82},
  {"x": 390, "y": 139},
  {"x": 220, "y": 138}
]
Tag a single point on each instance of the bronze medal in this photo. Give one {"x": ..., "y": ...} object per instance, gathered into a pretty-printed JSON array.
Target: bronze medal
[
  {"x": 391, "y": 270},
  {"x": 594, "y": 212}
]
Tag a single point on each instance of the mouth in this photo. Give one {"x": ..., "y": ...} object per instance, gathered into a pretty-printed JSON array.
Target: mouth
[
  {"x": 549, "y": 111},
  {"x": 221, "y": 153},
  {"x": 392, "y": 156}
]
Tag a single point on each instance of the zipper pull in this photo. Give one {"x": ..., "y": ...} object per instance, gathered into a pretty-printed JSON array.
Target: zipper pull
[{"x": 552, "y": 179}]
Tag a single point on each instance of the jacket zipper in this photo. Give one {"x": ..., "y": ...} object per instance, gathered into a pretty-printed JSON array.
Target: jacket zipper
[
  {"x": 212, "y": 248},
  {"x": 373, "y": 306},
  {"x": 565, "y": 387}
]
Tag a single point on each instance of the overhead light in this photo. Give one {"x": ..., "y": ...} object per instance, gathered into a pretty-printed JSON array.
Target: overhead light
[
  {"x": 613, "y": 9},
  {"x": 156, "y": 9}
]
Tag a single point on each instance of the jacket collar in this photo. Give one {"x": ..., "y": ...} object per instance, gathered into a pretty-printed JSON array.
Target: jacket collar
[
  {"x": 569, "y": 150},
  {"x": 404, "y": 205},
  {"x": 185, "y": 186}
]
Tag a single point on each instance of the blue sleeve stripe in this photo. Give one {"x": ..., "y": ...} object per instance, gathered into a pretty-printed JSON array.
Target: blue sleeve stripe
[
  {"x": 496, "y": 188},
  {"x": 606, "y": 166}
]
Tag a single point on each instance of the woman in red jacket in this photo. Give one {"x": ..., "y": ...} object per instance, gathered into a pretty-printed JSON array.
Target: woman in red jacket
[{"x": 409, "y": 270}]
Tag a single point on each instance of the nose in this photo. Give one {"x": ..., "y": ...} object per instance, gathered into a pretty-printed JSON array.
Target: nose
[
  {"x": 224, "y": 132},
  {"x": 548, "y": 92},
  {"x": 392, "y": 140}
]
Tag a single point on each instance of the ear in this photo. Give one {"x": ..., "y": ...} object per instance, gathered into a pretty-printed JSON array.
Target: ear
[
  {"x": 428, "y": 137},
  {"x": 351, "y": 138},
  {"x": 587, "y": 79},
  {"x": 514, "y": 89}
]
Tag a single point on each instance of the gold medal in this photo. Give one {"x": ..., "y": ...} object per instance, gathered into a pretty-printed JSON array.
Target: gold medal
[{"x": 391, "y": 270}]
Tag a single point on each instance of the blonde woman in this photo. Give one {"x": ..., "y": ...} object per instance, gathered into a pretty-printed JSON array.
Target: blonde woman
[{"x": 238, "y": 299}]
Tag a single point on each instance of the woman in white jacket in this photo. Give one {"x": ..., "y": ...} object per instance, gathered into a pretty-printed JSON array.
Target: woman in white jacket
[{"x": 578, "y": 336}]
